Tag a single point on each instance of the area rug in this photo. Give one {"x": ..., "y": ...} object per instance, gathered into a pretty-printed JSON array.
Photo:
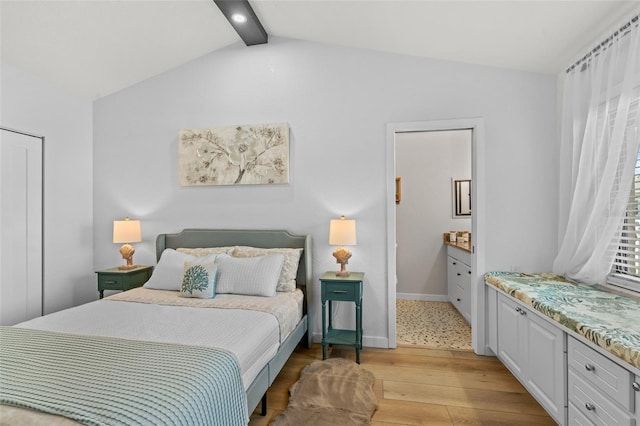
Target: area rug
[
  {"x": 436, "y": 325},
  {"x": 332, "y": 392}
]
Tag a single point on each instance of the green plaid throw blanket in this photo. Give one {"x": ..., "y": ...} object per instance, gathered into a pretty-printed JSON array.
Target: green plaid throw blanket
[{"x": 109, "y": 381}]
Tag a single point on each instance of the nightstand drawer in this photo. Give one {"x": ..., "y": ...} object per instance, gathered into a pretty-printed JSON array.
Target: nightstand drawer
[
  {"x": 339, "y": 291},
  {"x": 110, "y": 282},
  {"x": 122, "y": 279}
]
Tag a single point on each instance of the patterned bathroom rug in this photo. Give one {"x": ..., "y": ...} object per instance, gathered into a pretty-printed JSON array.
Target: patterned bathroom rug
[
  {"x": 436, "y": 325},
  {"x": 330, "y": 393}
]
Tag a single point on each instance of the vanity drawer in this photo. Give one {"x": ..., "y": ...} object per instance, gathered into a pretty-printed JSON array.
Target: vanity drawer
[
  {"x": 594, "y": 405},
  {"x": 605, "y": 375},
  {"x": 456, "y": 296}
]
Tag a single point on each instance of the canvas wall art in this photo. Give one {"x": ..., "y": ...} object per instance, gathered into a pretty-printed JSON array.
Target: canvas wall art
[{"x": 256, "y": 154}]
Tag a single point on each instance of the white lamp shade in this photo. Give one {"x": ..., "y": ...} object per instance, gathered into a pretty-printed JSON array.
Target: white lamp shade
[
  {"x": 126, "y": 231},
  {"x": 342, "y": 232}
]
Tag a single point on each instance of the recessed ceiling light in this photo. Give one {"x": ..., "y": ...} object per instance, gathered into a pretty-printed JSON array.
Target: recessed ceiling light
[
  {"x": 239, "y": 18},
  {"x": 243, "y": 19}
]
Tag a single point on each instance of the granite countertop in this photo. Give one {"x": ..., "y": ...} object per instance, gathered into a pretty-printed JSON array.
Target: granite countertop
[
  {"x": 466, "y": 245},
  {"x": 608, "y": 320}
]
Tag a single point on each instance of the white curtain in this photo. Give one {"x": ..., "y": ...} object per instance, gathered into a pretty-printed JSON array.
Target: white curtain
[{"x": 599, "y": 146}]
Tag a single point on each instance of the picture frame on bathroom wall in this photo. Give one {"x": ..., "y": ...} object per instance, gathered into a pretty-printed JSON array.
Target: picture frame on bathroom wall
[{"x": 461, "y": 196}]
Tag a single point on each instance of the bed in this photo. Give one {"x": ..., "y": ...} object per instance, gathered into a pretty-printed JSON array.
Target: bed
[{"x": 228, "y": 363}]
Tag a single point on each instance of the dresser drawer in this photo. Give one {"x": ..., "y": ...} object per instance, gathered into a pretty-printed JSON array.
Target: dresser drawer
[
  {"x": 576, "y": 418},
  {"x": 636, "y": 391},
  {"x": 339, "y": 291},
  {"x": 594, "y": 405},
  {"x": 605, "y": 375}
]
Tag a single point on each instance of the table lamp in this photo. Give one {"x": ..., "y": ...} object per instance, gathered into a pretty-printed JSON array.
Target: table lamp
[
  {"x": 342, "y": 232},
  {"x": 127, "y": 231}
]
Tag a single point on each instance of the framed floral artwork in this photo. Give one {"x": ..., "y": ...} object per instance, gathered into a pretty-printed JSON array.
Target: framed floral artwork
[{"x": 256, "y": 154}]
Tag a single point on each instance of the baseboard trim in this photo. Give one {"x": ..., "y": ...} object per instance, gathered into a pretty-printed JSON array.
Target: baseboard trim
[{"x": 425, "y": 297}]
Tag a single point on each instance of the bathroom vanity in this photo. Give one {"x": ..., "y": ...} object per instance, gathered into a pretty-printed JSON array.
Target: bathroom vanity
[{"x": 459, "y": 276}]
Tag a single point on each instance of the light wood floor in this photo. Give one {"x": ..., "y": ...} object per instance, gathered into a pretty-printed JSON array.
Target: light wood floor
[{"x": 418, "y": 386}]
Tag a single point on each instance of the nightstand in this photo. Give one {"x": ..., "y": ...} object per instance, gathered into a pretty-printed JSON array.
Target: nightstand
[
  {"x": 122, "y": 279},
  {"x": 341, "y": 289}
]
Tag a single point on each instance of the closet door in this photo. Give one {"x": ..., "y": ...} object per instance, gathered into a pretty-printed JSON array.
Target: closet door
[{"x": 21, "y": 192}]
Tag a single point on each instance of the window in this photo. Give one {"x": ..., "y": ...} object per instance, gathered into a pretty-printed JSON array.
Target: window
[{"x": 626, "y": 265}]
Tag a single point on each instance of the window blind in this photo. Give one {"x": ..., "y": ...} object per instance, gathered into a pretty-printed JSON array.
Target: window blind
[{"x": 625, "y": 271}]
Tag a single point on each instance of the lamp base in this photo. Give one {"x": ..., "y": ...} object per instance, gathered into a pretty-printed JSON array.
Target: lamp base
[
  {"x": 127, "y": 267},
  {"x": 127, "y": 251},
  {"x": 342, "y": 256}
]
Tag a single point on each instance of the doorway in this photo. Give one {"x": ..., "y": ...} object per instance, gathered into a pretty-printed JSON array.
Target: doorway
[
  {"x": 21, "y": 226},
  {"x": 476, "y": 126},
  {"x": 431, "y": 165}
]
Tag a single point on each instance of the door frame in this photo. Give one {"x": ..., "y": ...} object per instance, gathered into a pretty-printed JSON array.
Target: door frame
[{"x": 476, "y": 125}]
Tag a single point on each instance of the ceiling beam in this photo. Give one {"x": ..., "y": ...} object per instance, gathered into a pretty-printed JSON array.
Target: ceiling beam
[{"x": 243, "y": 19}]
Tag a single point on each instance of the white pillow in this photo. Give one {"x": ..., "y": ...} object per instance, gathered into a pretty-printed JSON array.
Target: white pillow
[
  {"x": 199, "y": 280},
  {"x": 287, "y": 279},
  {"x": 251, "y": 276},
  {"x": 167, "y": 275}
]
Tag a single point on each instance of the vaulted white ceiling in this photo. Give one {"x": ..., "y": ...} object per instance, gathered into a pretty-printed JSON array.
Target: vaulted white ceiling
[{"x": 95, "y": 47}]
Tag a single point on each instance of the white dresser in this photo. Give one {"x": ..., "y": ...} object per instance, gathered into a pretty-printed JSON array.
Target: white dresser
[
  {"x": 557, "y": 338},
  {"x": 533, "y": 348},
  {"x": 601, "y": 392}
]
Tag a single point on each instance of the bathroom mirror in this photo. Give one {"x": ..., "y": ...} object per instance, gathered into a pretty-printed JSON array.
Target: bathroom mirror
[{"x": 461, "y": 198}]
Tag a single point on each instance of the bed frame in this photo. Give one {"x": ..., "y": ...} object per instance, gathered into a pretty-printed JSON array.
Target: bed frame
[{"x": 195, "y": 238}]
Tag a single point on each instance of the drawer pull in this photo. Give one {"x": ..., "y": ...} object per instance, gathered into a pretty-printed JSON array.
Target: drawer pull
[
  {"x": 520, "y": 310},
  {"x": 453, "y": 263},
  {"x": 589, "y": 367},
  {"x": 636, "y": 386},
  {"x": 589, "y": 406},
  {"x": 458, "y": 274},
  {"x": 109, "y": 282},
  {"x": 458, "y": 299},
  {"x": 339, "y": 291}
]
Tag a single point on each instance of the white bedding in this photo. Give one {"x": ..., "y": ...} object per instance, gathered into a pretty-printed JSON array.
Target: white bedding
[
  {"x": 252, "y": 336},
  {"x": 287, "y": 307}
]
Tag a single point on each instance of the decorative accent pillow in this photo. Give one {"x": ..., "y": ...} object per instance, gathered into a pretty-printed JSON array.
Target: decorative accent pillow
[
  {"x": 205, "y": 251},
  {"x": 167, "y": 275},
  {"x": 287, "y": 279},
  {"x": 252, "y": 276},
  {"x": 199, "y": 280}
]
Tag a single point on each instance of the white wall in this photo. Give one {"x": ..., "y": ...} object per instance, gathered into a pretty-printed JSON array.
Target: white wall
[
  {"x": 337, "y": 101},
  {"x": 35, "y": 106},
  {"x": 427, "y": 161}
]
